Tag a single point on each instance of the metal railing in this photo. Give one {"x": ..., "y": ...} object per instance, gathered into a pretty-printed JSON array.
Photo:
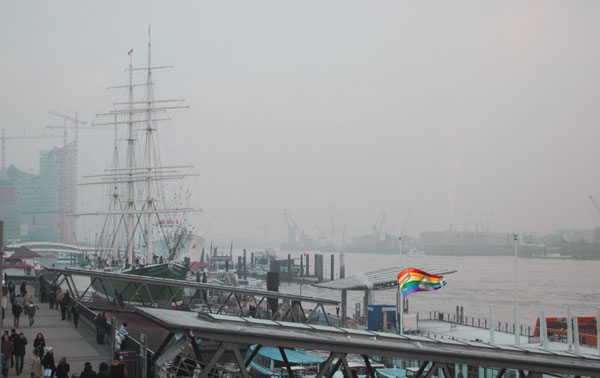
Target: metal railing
[{"x": 476, "y": 322}]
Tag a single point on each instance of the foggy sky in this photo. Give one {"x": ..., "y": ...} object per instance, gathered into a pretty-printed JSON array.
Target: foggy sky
[{"x": 459, "y": 111}]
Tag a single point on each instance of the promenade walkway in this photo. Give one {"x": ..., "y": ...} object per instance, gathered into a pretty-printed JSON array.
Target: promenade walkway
[{"x": 78, "y": 345}]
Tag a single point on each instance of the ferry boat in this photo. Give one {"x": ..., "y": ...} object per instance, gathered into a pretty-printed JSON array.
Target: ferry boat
[{"x": 268, "y": 362}]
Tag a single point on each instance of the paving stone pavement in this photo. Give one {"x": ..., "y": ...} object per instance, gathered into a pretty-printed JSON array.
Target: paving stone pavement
[{"x": 78, "y": 345}]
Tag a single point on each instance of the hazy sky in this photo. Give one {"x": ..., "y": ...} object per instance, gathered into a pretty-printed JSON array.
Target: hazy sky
[{"x": 460, "y": 111}]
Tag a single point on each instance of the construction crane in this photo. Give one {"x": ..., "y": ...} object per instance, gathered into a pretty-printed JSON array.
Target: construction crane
[
  {"x": 5, "y": 138},
  {"x": 291, "y": 225},
  {"x": 595, "y": 204},
  {"x": 378, "y": 225}
]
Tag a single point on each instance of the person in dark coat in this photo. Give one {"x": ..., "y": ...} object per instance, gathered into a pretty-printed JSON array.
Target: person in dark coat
[
  {"x": 23, "y": 288},
  {"x": 20, "y": 343},
  {"x": 43, "y": 294},
  {"x": 75, "y": 312},
  {"x": 63, "y": 309},
  {"x": 67, "y": 301},
  {"x": 11, "y": 288},
  {"x": 16, "y": 310},
  {"x": 103, "y": 371},
  {"x": 7, "y": 352},
  {"x": 100, "y": 322},
  {"x": 117, "y": 370},
  {"x": 63, "y": 368},
  {"x": 88, "y": 372},
  {"x": 51, "y": 298},
  {"x": 48, "y": 361},
  {"x": 13, "y": 336},
  {"x": 39, "y": 343}
]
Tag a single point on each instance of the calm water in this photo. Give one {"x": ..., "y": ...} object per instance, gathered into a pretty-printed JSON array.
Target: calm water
[
  {"x": 478, "y": 282},
  {"x": 481, "y": 281}
]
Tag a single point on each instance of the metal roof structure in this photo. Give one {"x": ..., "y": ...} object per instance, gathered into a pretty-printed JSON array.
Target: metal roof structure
[
  {"x": 376, "y": 280},
  {"x": 233, "y": 332},
  {"x": 67, "y": 272}
]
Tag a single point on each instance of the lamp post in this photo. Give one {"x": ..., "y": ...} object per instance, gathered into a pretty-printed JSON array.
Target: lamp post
[
  {"x": 517, "y": 337},
  {"x": 399, "y": 299},
  {"x": 400, "y": 253}
]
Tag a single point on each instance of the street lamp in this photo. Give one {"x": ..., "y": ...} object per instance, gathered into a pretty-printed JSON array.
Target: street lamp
[
  {"x": 517, "y": 337},
  {"x": 399, "y": 299}
]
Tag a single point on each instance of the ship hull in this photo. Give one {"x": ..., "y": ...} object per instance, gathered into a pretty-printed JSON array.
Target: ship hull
[{"x": 116, "y": 288}]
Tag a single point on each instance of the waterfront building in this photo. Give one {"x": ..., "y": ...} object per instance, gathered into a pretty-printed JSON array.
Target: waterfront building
[{"x": 34, "y": 206}]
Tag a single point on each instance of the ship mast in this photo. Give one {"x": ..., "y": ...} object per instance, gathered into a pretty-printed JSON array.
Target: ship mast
[
  {"x": 116, "y": 194},
  {"x": 130, "y": 152},
  {"x": 149, "y": 203},
  {"x": 142, "y": 112}
]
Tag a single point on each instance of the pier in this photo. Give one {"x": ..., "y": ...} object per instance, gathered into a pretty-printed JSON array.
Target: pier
[
  {"x": 189, "y": 343},
  {"x": 78, "y": 345}
]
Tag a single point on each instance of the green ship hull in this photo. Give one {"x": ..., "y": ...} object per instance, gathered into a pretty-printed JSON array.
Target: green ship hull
[{"x": 115, "y": 289}]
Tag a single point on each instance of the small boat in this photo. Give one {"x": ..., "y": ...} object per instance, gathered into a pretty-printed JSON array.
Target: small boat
[{"x": 268, "y": 362}]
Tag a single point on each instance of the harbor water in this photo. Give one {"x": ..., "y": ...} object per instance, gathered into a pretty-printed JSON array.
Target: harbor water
[{"x": 478, "y": 282}]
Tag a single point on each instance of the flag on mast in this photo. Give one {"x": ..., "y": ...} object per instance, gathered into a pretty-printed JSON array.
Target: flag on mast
[
  {"x": 130, "y": 52},
  {"x": 412, "y": 280}
]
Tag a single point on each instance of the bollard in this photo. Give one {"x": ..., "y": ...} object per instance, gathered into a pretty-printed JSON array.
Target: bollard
[
  {"x": 244, "y": 270},
  {"x": 143, "y": 355},
  {"x": 113, "y": 324},
  {"x": 332, "y": 268},
  {"x": 492, "y": 336},
  {"x": 576, "y": 333}
]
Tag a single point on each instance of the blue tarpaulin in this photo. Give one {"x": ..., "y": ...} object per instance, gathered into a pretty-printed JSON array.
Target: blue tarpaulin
[{"x": 294, "y": 356}]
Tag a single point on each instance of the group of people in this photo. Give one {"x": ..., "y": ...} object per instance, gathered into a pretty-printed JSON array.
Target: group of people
[
  {"x": 13, "y": 344},
  {"x": 62, "y": 370},
  {"x": 20, "y": 303},
  {"x": 59, "y": 299}
]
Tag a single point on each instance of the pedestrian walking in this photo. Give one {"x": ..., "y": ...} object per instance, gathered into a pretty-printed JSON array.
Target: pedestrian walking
[
  {"x": 117, "y": 369},
  {"x": 38, "y": 344},
  {"x": 88, "y": 372},
  {"x": 43, "y": 293},
  {"x": 36, "y": 365},
  {"x": 63, "y": 368},
  {"x": 75, "y": 312},
  {"x": 11, "y": 288},
  {"x": 51, "y": 298},
  {"x": 26, "y": 302},
  {"x": 23, "y": 288},
  {"x": 60, "y": 295},
  {"x": 31, "y": 313},
  {"x": 48, "y": 362},
  {"x": 100, "y": 323},
  {"x": 7, "y": 349},
  {"x": 63, "y": 309},
  {"x": 19, "y": 347},
  {"x": 103, "y": 371},
  {"x": 123, "y": 336},
  {"x": 67, "y": 300},
  {"x": 12, "y": 337},
  {"x": 16, "y": 310}
]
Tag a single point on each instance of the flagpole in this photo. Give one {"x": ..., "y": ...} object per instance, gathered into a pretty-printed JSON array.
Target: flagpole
[
  {"x": 399, "y": 299},
  {"x": 399, "y": 311},
  {"x": 517, "y": 336}
]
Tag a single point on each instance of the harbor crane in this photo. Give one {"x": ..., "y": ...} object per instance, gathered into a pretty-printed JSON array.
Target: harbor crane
[
  {"x": 595, "y": 204},
  {"x": 291, "y": 225},
  {"x": 18, "y": 137},
  {"x": 378, "y": 225}
]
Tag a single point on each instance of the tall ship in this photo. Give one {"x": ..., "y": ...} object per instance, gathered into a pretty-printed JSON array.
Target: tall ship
[{"x": 145, "y": 229}]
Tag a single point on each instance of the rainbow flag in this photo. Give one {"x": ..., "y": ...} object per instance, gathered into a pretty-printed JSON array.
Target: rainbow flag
[{"x": 412, "y": 280}]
